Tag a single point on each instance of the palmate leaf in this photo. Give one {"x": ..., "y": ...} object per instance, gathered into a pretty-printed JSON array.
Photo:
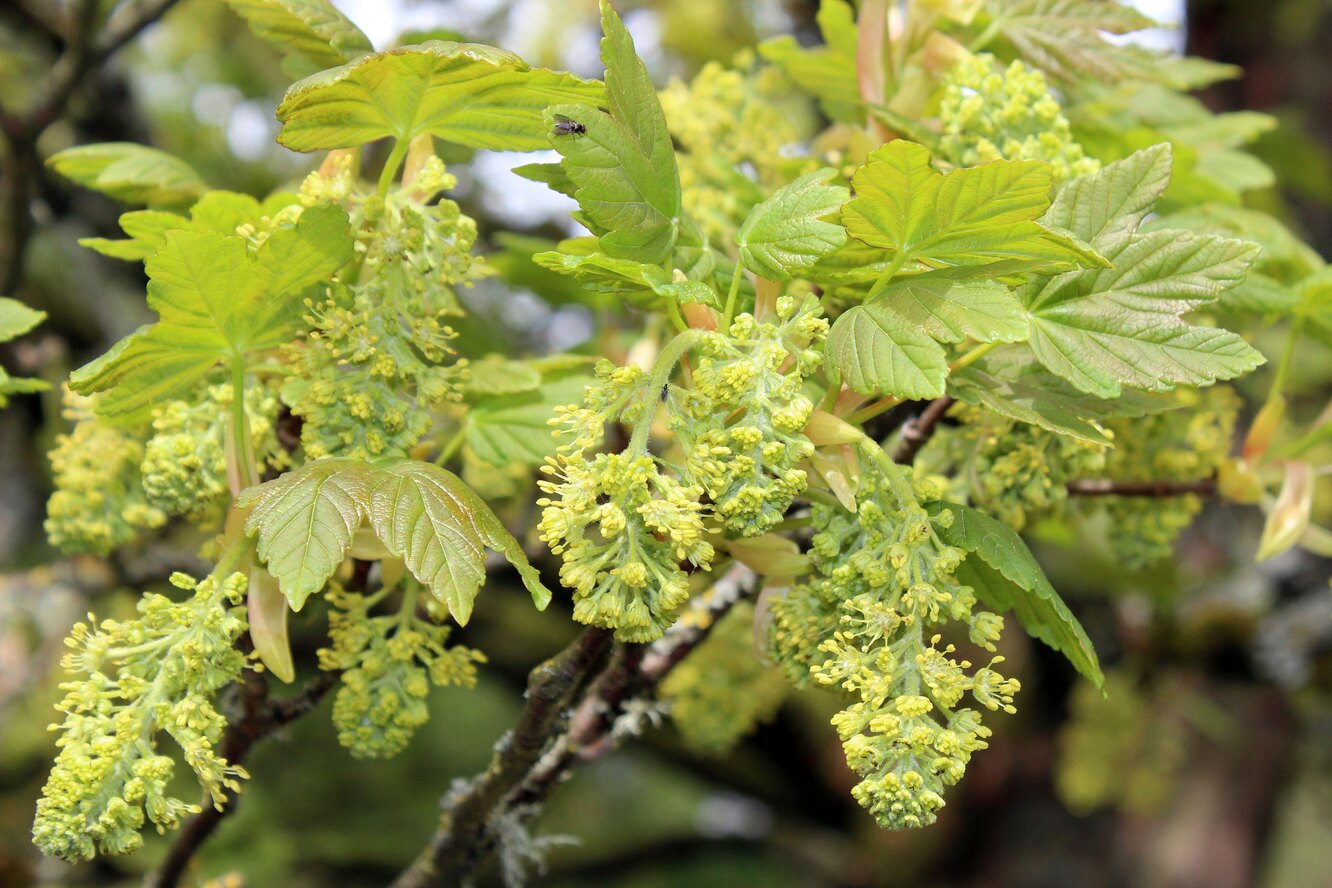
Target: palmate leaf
[
  {"x": 311, "y": 34},
  {"x": 216, "y": 301},
  {"x": 130, "y": 173},
  {"x": 623, "y": 166},
  {"x": 305, "y": 523},
  {"x": 466, "y": 93},
  {"x": 1005, "y": 576},
  {"x": 968, "y": 217},
  {"x": 1104, "y": 329},
  {"x": 788, "y": 233},
  {"x": 646, "y": 286}
]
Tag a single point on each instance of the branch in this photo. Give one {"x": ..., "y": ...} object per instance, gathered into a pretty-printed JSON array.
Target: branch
[
  {"x": 464, "y": 835},
  {"x": 1164, "y": 488},
  {"x": 918, "y": 430}
]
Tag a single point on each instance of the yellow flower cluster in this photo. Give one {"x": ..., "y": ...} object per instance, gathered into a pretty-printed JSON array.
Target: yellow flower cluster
[
  {"x": 992, "y": 113},
  {"x": 99, "y": 502},
  {"x": 742, "y": 427},
  {"x": 389, "y": 664},
  {"x": 135, "y": 680},
  {"x": 870, "y": 625},
  {"x": 377, "y": 356}
]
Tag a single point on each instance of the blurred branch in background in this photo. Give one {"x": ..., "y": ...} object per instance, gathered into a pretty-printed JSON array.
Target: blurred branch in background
[{"x": 84, "y": 50}]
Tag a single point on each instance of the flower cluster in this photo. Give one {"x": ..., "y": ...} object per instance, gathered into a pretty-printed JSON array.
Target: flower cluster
[
  {"x": 621, "y": 524},
  {"x": 1187, "y": 444},
  {"x": 99, "y": 502},
  {"x": 376, "y": 357},
  {"x": 741, "y": 429},
  {"x": 389, "y": 664},
  {"x": 723, "y": 120},
  {"x": 184, "y": 465},
  {"x": 721, "y": 691},
  {"x": 137, "y": 679},
  {"x": 992, "y": 113},
  {"x": 869, "y": 625},
  {"x": 1014, "y": 471}
]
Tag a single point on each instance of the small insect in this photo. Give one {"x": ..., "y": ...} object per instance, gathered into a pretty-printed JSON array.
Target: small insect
[{"x": 565, "y": 126}]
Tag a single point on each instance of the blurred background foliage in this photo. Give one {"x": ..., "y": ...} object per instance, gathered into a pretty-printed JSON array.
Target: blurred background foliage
[{"x": 1210, "y": 763}]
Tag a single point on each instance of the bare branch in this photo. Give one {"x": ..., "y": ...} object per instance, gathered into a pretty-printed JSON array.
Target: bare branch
[{"x": 918, "y": 431}]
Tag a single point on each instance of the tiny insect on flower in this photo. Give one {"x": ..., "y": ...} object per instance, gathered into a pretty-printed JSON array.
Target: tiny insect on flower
[{"x": 565, "y": 126}]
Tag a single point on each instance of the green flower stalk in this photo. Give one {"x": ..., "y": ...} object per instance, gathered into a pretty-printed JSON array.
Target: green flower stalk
[
  {"x": 136, "y": 680},
  {"x": 993, "y": 113},
  {"x": 871, "y": 625}
]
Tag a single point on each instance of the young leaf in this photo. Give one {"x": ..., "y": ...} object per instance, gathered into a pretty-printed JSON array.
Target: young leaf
[
  {"x": 640, "y": 284},
  {"x": 465, "y": 93},
  {"x": 216, "y": 301},
  {"x": 1005, "y": 576},
  {"x": 1103, "y": 329},
  {"x": 624, "y": 163},
  {"x": 968, "y": 217},
  {"x": 130, "y": 173},
  {"x": 879, "y": 352},
  {"x": 788, "y": 233},
  {"x": 305, "y": 521},
  {"x": 218, "y": 210},
  {"x": 431, "y": 519},
  {"x": 1066, "y": 38},
  {"x": 311, "y": 34}
]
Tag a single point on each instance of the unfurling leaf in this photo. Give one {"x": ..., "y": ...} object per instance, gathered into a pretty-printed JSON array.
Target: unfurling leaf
[
  {"x": 1005, "y": 576},
  {"x": 216, "y": 301},
  {"x": 1289, "y": 518},
  {"x": 465, "y": 93},
  {"x": 305, "y": 522},
  {"x": 267, "y": 609}
]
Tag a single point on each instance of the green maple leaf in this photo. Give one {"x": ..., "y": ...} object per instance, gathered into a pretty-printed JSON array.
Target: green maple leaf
[
  {"x": 639, "y": 283},
  {"x": 1005, "y": 576},
  {"x": 969, "y": 217},
  {"x": 464, "y": 93},
  {"x": 216, "y": 301},
  {"x": 218, "y": 210},
  {"x": 789, "y": 232},
  {"x": 311, "y": 34},
  {"x": 1066, "y": 38},
  {"x": 623, "y": 166},
  {"x": 130, "y": 173},
  {"x": 1104, "y": 329},
  {"x": 511, "y": 429}
]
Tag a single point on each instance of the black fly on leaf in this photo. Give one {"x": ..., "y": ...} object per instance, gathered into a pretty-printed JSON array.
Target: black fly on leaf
[{"x": 565, "y": 126}]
